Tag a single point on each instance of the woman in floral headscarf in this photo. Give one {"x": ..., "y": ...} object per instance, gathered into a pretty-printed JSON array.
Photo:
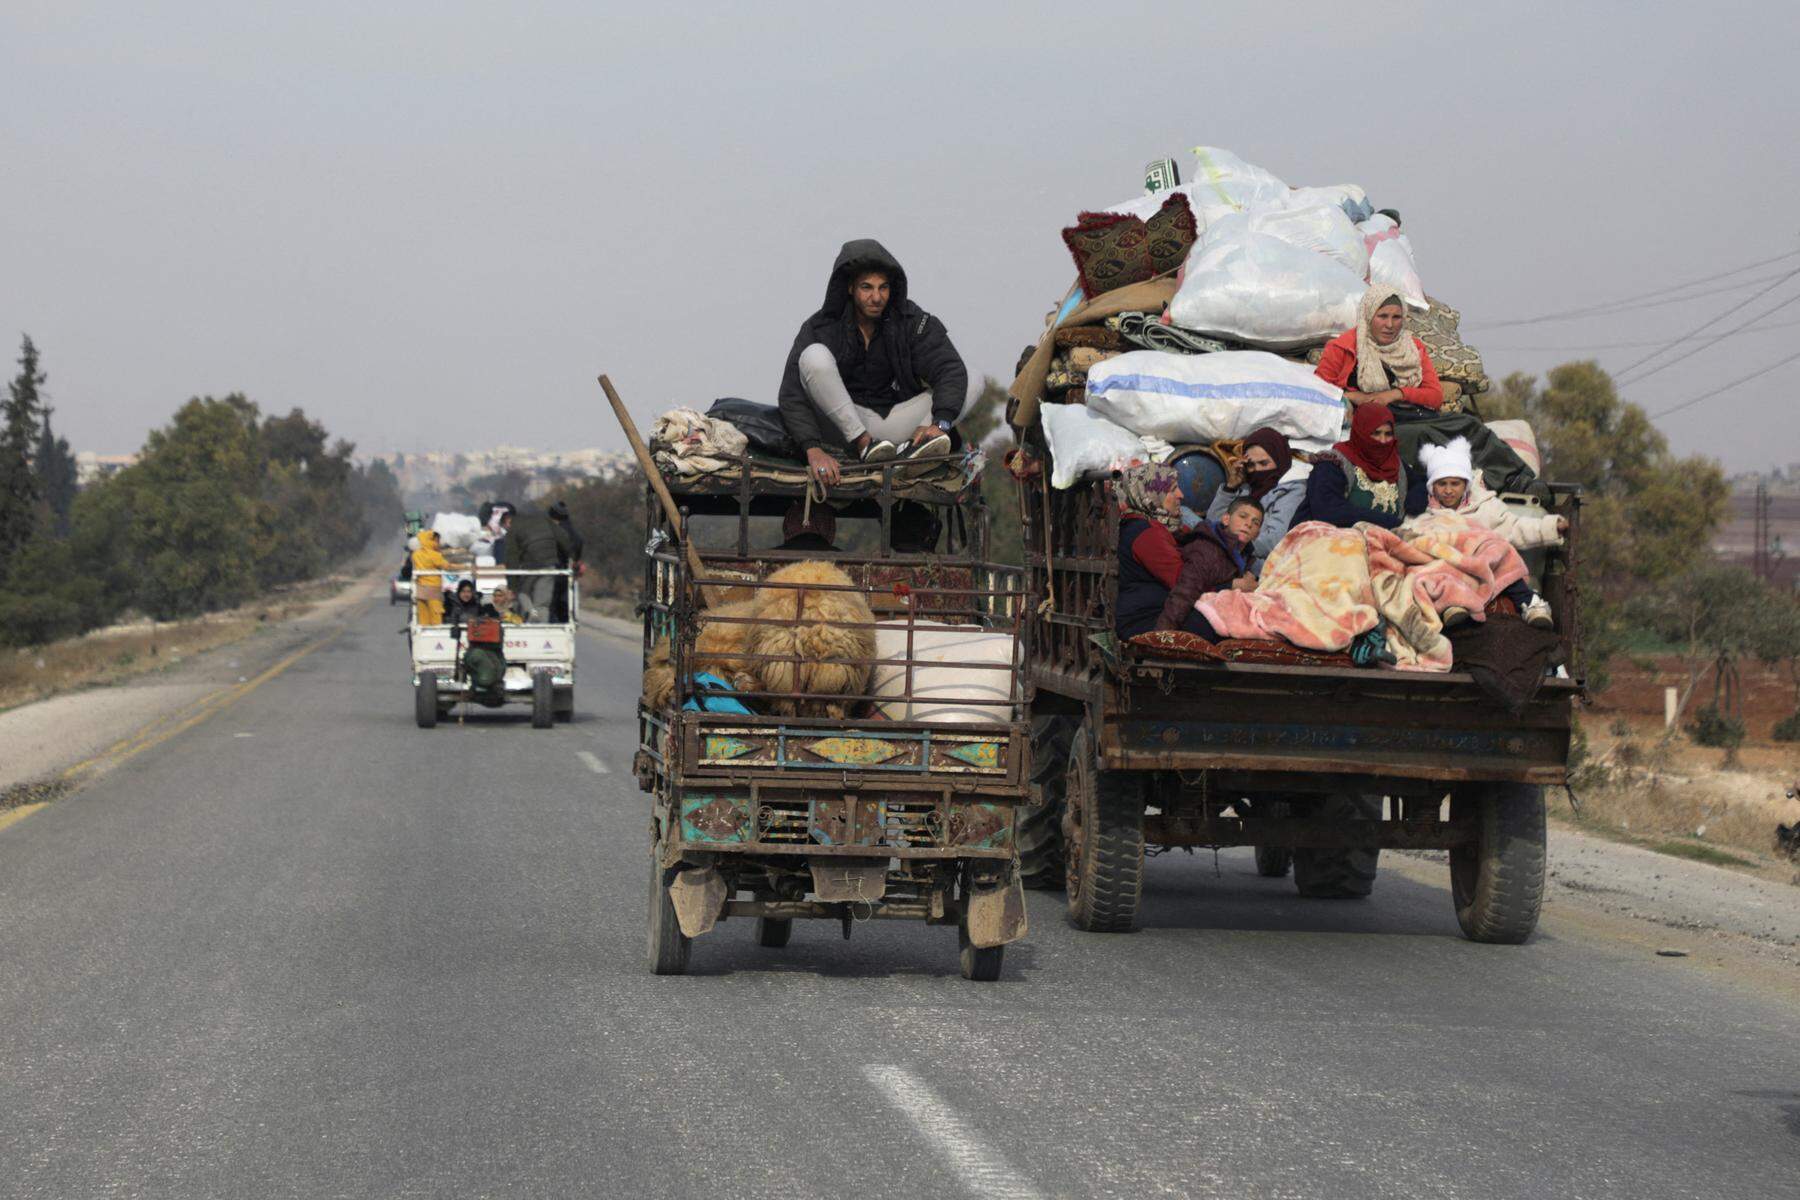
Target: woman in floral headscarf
[
  {"x": 1149, "y": 500},
  {"x": 1378, "y": 362},
  {"x": 1363, "y": 479}
]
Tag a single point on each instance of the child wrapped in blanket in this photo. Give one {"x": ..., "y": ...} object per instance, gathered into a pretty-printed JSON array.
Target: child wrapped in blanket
[
  {"x": 1214, "y": 556},
  {"x": 1456, "y": 489}
]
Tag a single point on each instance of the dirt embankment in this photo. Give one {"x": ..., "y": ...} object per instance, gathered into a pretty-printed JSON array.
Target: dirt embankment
[
  {"x": 1658, "y": 788},
  {"x": 120, "y": 652}
]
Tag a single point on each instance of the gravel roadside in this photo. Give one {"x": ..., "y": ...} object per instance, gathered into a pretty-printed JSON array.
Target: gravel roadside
[{"x": 45, "y": 739}]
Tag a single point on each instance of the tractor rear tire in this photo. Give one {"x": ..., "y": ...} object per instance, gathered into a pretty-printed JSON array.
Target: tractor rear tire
[
  {"x": 774, "y": 932},
  {"x": 1497, "y": 881},
  {"x": 425, "y": 700},
  {"x": 1103, "y": 840},
  {"x": 1340, "y": 874},
  {"x": 543, "y": 701},
  {"x": 1038, "y": 832},
  {"x": 668, "y": 947}
]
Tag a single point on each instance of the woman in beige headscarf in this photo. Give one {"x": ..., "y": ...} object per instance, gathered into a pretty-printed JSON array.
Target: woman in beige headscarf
[{"x": 1378, "y": 362}]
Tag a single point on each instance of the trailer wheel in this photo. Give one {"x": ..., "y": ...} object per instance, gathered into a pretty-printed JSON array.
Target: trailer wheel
[
  {"x": 1103, "y": 840},
  {"x": 1272, "y": 862},
  {"x": 543, "y": 701},
  {"x": 1497, "y": 881},
  {"x": 980, "y": 964},
  {"x": 668, "y": 946},
  {"x": 774, "y": 932},
  {"x": 565, "y": 704},
  {"x": 425, "y": 700},
  {"x": 1038, "y": 832},
  {"x": 1340, "y": 874}
]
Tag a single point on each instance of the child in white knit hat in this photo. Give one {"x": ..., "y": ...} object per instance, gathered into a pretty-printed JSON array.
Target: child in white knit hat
[{"x": 1455, "y": 488}]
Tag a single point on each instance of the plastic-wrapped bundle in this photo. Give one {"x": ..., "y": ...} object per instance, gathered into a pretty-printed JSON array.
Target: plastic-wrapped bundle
[
  {"x": 1321, "y": 228},
  {"x": 1352, "y": 200},
  {"x": 458, "y": 530},
  {"x": 1256, "y": 288},
  {"x": 1185, "y": 398},
  {"x": 1391, "y": 259},
  {"x": 1085, "y": 445},
  {"x": 1223, "y": 184}
]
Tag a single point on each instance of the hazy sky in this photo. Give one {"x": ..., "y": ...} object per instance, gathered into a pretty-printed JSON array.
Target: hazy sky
[{"x": 431, "y": 225}]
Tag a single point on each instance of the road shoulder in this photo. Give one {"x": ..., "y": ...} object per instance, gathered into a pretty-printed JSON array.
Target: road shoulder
[{"x": 79, "y": 735}]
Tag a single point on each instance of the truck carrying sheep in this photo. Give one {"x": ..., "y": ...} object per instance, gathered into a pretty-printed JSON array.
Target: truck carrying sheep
[{"x": 832, "y": 723}]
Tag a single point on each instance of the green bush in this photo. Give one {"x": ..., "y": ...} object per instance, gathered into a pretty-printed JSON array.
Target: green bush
[
  {"x": 1788, "y": 728},
  {"x": 1712, "y": 727}
]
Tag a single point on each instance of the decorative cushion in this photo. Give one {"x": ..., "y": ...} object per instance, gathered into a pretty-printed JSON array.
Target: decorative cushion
[
  {"x": 1172, "y": 233},
  {"x": 1108, "y": 249},
  {"x": 1114, "y": 250}
]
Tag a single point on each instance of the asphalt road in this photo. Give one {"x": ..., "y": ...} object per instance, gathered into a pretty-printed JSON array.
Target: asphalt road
[{"x": 306, "y": 949}]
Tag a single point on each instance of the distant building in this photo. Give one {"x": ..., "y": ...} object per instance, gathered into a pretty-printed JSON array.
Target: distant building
[{"x": 90, "y": 466}]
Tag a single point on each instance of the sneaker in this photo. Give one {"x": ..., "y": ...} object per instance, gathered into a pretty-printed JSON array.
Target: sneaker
[
  {"x": 1537, "y": 613},
  {"x": 932, "y": 447},
  {"x": 1455, "y": 615},
  {"x": 878, "y": 451}
]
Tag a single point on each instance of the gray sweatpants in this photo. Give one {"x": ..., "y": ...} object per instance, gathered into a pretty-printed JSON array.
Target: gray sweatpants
[{"x": 825, "y": 388}]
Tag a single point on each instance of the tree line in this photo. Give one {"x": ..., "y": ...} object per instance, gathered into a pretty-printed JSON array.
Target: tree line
[{"x": 222, "y": 504}]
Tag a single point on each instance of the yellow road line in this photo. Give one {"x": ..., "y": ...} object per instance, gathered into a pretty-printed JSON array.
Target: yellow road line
[
  {"x": 13, "y": 815},
  {"x": 160, "y": 731}
]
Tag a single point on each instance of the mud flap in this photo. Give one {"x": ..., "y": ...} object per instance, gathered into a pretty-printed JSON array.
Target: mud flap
[
  {"x": 699, "y": 898},
  {"x": 996, "y": 914},
  {"x": 849, "y": 879}
]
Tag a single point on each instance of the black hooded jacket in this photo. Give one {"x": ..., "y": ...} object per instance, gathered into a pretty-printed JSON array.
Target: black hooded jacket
[{"x": 917, "y": 346}]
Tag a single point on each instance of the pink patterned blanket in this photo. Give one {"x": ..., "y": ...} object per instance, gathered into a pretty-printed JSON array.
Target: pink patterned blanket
[{"x": 1323, "y": 587}]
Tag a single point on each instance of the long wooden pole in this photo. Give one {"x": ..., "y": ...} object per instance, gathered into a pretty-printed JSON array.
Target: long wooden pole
[{"x": 648, "y": 466}]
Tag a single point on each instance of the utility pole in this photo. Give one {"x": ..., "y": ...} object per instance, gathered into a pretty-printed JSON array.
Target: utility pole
[{"x": 1761, "y": 563}]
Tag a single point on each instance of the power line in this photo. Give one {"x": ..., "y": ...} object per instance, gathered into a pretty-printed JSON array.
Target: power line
[
  {"x": 1651, "y": 357},
  {"x": 1615, "y": 307},
  {"x": 1662, "y": 291},
  {"x": 1726, "y": 387},
  {"x": 1633, "y": 345}
]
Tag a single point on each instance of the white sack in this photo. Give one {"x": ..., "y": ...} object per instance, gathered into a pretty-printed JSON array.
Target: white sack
[
  {"x": 458, "y": 530},
  {"x": 1346, "y": 196},
  {"x": 1084, "y": 444},
  {"x": 1222, "y": 184},
  {"x": 1205, "y": 397},
  {"x": 942, "y": 693},
  {"x": 1392, "y": 264},
  {"x": 1256, "y": 288},
  {"x": 1321, "y": 228},
  {"x": 1391, "y": 259}
]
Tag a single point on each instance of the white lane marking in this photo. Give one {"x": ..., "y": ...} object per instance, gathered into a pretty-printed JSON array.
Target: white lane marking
[
  {"x": 593, "y": 762},
  {"x": 981, "y": 1170},
  {"x": 238, "y": 735}
]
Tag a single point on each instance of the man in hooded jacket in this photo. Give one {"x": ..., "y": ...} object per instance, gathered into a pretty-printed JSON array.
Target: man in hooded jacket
[
  {"x": 871, "y": 372},
  {"x": 537, "y": 542}
]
